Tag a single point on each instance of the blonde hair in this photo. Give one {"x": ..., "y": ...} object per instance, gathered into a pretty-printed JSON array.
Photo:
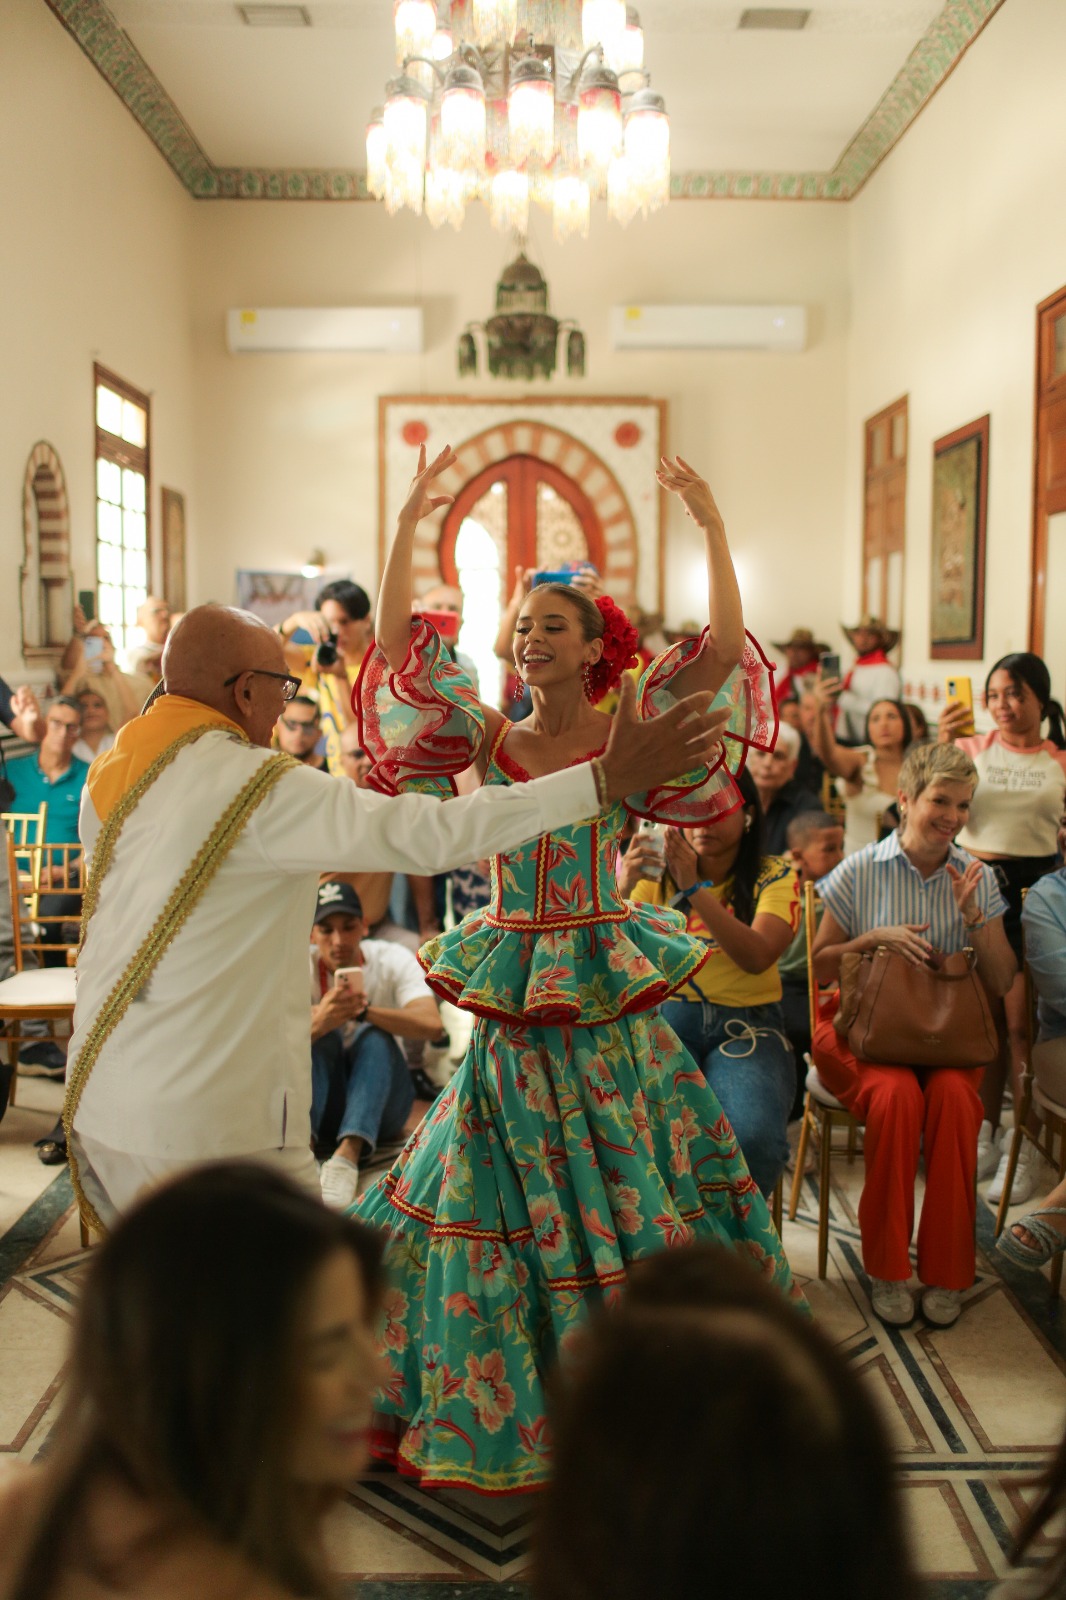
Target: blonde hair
[{"x": 925, "y": 763}]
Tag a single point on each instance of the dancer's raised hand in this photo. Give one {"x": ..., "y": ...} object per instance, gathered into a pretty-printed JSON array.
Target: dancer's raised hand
[
  {"x": 420, "y": 502},
  {"x": 640, "y": 755},
  {"x": 692, "y": 490}
]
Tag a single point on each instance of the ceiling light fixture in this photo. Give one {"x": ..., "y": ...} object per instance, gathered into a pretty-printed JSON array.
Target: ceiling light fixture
[
  {"x": 522, "y": 338},
  {"x": 514, "y": 102},
  {"x": 275, "y": 16}
]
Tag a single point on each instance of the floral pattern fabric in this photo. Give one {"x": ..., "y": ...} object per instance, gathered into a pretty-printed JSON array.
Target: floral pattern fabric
[{"x": 576, "y": 1137}]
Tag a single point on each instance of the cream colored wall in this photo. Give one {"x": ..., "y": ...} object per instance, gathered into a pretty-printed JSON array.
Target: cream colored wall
[
  {"x": 94, "y": 265},
  {"x": 953, "y": 243},
  {"x": 287, "y": 444}
]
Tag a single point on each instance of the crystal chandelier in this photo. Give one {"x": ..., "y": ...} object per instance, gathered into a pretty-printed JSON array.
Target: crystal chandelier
[{"x": 519, "y": 103}]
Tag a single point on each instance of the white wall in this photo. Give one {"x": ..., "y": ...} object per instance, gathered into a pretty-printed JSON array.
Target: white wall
[
  {"x": 287, "y": 445},
  {"x": 94, "y": 265},
  {"x": 953, "y": 243}
]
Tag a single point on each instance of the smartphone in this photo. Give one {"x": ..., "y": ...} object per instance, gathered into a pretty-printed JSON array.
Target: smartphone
[
  {"x": 829, "y": 662},
  {"x": 353, "y": 978},
  {"x": 961, "y": 691},
  {"x": 87, "y": 601},
  {"x": 445, "y": 622},
  {"x": 93, "y": 647},
  {"x": 654, "y": 835},
  {"x": 552, "y": 577}
]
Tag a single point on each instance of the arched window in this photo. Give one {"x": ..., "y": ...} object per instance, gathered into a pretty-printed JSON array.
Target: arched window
[{"x": 46, "y": 580}]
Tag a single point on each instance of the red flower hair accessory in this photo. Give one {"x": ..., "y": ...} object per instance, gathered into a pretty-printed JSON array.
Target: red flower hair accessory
[{"x": 620, "y": 640}]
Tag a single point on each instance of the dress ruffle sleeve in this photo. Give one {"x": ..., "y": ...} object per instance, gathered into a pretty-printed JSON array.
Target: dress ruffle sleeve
[
  {"x": 709, "y": 792},
  {"x": 421, "y": 725}
]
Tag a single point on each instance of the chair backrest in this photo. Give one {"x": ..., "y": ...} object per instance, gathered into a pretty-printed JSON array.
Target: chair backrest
[
  {"x": 54, "y": 925},
  {"x": 27, "y": 827},
  {"x": 831, "y": 800},
  {"x": 15, "y": 894}
]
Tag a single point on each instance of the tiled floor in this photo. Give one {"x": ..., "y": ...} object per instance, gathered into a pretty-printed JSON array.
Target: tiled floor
[{"x": 974, "y": 1410}]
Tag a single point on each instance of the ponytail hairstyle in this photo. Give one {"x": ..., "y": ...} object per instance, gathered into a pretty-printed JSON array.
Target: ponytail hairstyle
[
  {"x": 602, "y": 619},
  {"x": 1025, "y": 668}
]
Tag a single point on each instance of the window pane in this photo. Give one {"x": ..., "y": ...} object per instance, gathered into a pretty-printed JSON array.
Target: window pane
[
  {"x": 133, "y": 525},
  {"x": 110, "y": 601},
  {"x": 132, "y": 600},
  {"x": 108, "y": 409},
  {"x": 108, "y": 523},
  {"x": 109, "y": 482},
  {"x": 108, "y": 565},
  {"x": 899, "y": 436},
  {"x": 133, "y": 423},
  {"x": 135, "y": 568},
  {"x": 133, "y": 490},
  {"x": 879, "y": 445},
  {"x": 477, "y": 558}
]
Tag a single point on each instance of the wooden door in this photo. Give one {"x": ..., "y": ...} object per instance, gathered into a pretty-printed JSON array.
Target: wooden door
[
  {"x": 884, "y": 514},
  {"x": 1047, "y": 611}
]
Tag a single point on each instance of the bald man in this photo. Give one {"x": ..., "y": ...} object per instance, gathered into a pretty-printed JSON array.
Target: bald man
[{"x": 190, "y": 1037}]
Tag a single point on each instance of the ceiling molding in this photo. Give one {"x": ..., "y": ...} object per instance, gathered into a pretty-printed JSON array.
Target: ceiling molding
[{"x": 120, "y": 63}]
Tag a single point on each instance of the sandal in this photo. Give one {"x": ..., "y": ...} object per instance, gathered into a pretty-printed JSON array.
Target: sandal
[{"x": 1028, "y": 1256}]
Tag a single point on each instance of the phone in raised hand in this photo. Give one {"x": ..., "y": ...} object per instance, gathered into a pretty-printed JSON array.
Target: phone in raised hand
[
  {"x": 960, "y": 691},
  {"x": 351, "y": 978}
]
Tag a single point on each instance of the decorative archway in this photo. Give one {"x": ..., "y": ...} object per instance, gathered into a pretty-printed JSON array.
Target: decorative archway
[{"x": 46, "y": 580}]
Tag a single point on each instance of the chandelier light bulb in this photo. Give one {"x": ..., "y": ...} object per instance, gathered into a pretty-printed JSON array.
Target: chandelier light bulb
[
  {"x": 509, "y": 201},
  {"x": 446, "y": 194},
  {"x": 623, "y": 201},
  {"x": 603, "y": 22},
  {"x": 571, "y": 209},
  {"x": 647, "y": 148},
  {"x": 376, "y": 154},
  {"x": 531, "y": 111},
  {"x": 495, "y": 20},
  {"x": 406, "y": 121},
  {"x": 415, "y": 22},
  {"x": 442, "y": 45},
  {"x": 599, "y": 119},
  {"x": 462, "y": 119}
]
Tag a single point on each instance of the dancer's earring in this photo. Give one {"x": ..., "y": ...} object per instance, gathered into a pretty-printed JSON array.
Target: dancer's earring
[
  {"x": 586, "y": 679},
  {"x": 519, "y": 688}
]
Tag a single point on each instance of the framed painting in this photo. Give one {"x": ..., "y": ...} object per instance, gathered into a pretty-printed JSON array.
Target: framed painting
[
  {"x": 173, "y": 520},
  {"x": 957, "y": 546}
]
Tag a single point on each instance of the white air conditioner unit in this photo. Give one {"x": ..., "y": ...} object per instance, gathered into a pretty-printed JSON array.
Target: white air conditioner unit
[
  {"x": 709, "y": 327},
  {"x": 389, "y": 330}
]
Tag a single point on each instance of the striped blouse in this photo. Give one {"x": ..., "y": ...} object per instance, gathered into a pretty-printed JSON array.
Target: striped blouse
[{"x": 879, "y": 887}]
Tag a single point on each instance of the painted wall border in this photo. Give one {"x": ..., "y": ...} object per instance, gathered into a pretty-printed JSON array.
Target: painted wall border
[{"x": 119, "y": 62}]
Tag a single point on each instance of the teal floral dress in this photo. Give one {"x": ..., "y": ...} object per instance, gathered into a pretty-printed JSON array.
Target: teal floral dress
[{"x": 576, "y": 1136}]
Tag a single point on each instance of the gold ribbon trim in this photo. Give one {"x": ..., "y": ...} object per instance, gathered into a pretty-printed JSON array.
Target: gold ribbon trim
[{"x": 183, "y": 900}]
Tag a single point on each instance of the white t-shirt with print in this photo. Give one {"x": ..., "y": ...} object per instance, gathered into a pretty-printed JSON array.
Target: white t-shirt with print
[{"x": 1019, "y": 797}]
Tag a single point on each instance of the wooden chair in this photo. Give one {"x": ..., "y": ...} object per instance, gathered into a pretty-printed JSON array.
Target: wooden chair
[
  {"x": 1053, "y": 1116},
  {"x": 27, "y": 827},
  {"x": 35, "y": 992},
  {"x": 822, "y": 1111},
  {"x": 832, "y": 801}
]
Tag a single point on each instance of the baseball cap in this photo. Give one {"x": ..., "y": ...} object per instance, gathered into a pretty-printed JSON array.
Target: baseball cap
[{"x": 334, "y": 898}]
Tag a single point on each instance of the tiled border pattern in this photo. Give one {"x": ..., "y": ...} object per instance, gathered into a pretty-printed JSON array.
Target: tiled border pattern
[{"x": 118, "y": 60}]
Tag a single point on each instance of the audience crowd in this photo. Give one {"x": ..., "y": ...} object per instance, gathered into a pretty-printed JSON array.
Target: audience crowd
[{"x": 933, "y": 849}]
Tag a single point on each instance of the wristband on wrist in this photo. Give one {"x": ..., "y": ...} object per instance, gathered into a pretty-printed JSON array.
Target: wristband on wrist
[{"x": 979, "y": 921}]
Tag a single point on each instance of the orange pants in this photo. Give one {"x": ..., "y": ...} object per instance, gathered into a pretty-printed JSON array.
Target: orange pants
[{"x": 905, "y": 1109}]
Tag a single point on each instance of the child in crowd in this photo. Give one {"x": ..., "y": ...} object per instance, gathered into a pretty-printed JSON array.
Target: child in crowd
[{"x": 815, "y": 847}]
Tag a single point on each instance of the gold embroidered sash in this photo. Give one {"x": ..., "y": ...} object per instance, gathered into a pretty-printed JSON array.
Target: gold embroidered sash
[{"x": 185, "y": 897}]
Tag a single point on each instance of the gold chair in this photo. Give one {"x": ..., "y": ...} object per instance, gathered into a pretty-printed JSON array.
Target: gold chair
[
  {"x": 822, "y": 1111},
  {"x": 27, "y": 827},
  {"x": 35, "y": 992},
  {"x": 831, "y": 799},
  {"x": 1053, "y": 1116}
]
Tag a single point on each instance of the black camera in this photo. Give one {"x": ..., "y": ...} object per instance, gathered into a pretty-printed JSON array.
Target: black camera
[{"x": 327, "y": 654}]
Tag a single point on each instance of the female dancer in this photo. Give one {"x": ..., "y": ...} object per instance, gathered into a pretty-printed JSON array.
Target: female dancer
[{"x": 577, "y": 1135}]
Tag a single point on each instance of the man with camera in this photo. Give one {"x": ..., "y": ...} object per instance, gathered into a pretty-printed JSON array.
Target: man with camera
[
  {"x": 340, "y": 631},
  {"x": 366, "y": 995}
]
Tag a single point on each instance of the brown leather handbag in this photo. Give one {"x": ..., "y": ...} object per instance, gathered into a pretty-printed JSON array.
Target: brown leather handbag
[{"x": 902, "y": 1015}]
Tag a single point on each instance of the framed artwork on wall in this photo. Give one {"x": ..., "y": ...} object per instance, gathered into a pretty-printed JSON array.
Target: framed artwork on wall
[
  {"x": 957, "y": 546},
  {"x": 173, "y": 522}
]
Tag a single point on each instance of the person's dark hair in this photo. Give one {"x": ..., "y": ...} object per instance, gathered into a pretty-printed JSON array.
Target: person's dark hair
[
  {"x": 184, "y": 1377},
  {"x": 1051, "y": 1580},
  {"x": 901, "y": 711},
  {"x": 704, "y": 1385},
  {"x": 589, "y": 613},
  {"x": 917, "y": 721},
  {"x": 67, "y": 700},
  {"x": 1025, "y": 668},
  {"x": 800, "y": 828},
  {"x": 305, "y": 700},
  {"x": 351, "y": 596},
  {"x": 748, "y": 861}
]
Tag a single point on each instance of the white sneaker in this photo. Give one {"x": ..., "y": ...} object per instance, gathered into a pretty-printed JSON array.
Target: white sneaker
[
  {"x": 941, "y": 1307},
  {"x": 437, "y": 1062},
  {"x": 339, "y": 1178},
  {"x": 892, "y": 1302},
  {"x": 1026, "y": 1175},
  {"x": 989, "y": 1150}
]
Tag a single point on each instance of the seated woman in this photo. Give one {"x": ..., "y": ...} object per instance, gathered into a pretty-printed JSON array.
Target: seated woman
[
  {"x": 217, "y": 1404},
  {"x": 745, "y": 906},
  {"x": 870, "y": 770},
  {"x": 917, "y": 894},
  {"x": 638, "y": 1506},
  {"x": 97, "y": 734}
]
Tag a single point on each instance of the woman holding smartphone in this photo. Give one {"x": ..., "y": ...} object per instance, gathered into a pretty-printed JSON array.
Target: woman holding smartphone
[
  {"x": 577, "y": 1134},
  {"x": 1013, "y": 825},
  {"x": 871, "y": 770}
]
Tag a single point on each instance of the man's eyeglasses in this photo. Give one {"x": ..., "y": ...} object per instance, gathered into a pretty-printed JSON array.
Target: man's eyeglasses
[
  {"x": 289, "y": 692},
  {"x": 297, "y": 725}
]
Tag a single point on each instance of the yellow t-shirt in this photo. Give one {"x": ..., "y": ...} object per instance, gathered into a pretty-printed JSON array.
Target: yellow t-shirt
[
  {"x": 720, "y": 980},
  {"x": 334, "y": 716}
]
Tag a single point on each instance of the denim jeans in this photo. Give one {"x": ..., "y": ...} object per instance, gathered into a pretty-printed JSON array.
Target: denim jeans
[
  {"x": 358, "y": 1091},
  {"x": 748, "y": 1062}
]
